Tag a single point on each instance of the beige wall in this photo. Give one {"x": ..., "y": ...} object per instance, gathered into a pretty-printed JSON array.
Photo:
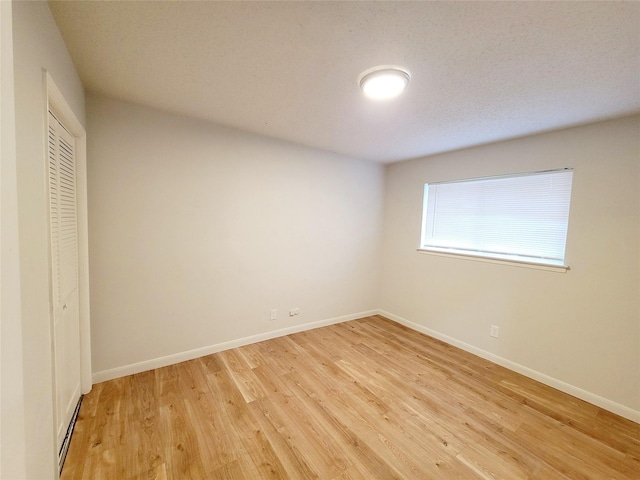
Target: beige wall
[
  {"x": 197, "y": 231},
  {"x": 581, "y": 328},
  {"x": 37, "y": 46},
  {"x": 12, "y": 441}
]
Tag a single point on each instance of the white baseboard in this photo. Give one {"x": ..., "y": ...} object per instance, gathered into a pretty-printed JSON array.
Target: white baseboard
[
  {"x": 622, "y": 410},
  {"x": 160, "y": 362},
  {"x": 597, "y": 400}
]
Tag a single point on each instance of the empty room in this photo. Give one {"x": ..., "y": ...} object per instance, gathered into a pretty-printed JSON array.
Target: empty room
[{"x": 320, "y": 240}]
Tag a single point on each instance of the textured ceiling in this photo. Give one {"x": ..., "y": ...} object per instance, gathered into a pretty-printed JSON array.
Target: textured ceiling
[{"x": 481, "y": 71}]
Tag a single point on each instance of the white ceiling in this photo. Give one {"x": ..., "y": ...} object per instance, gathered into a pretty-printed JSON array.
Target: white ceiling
[{"x": 481, "y": 71}]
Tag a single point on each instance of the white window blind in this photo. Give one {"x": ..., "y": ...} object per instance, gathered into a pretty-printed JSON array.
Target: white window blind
[{"x": 517, "y": 217}]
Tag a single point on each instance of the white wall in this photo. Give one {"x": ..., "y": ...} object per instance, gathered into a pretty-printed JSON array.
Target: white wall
[
  {"x": 12, "y": 441},
  {"x": 37, "y": 46},
  {"x": 197, "y": 231},
  {"x": 581, "y": 328}
]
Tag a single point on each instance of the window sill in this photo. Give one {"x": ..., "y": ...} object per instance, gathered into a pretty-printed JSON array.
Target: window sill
[{"x": 485, "y": 259}]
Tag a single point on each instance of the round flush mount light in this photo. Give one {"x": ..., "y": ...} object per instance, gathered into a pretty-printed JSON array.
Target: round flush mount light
[{"x": 383, "y": 82}]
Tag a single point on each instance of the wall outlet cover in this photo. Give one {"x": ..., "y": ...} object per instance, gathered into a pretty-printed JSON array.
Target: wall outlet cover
[{"x": 495, "y": 331}]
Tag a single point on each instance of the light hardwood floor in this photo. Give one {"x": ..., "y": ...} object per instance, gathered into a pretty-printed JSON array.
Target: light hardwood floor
[{"x": 367, "y": 399}]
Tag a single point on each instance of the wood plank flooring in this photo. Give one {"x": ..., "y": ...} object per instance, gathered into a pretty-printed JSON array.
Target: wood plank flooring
[{"x": 367, "y": 399}]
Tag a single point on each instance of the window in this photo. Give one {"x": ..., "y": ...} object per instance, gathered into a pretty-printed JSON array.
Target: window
[{"x": 522, "y": 217}]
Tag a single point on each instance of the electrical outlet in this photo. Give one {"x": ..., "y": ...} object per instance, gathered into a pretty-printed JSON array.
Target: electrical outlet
[
  {"x": 274, "y": 314},
  {"x": 294, "y": 311},
  {"x": 495, "y": 331}
]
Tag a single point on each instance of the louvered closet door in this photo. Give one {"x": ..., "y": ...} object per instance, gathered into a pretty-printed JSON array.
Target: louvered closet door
[{"x": 64, "y": 271}]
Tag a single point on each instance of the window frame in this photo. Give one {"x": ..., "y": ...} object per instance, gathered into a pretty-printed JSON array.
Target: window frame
[{"x": 488, "y": 257}]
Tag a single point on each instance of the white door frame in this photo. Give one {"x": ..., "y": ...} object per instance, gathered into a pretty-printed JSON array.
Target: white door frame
[{"x": 57, "y": 103}]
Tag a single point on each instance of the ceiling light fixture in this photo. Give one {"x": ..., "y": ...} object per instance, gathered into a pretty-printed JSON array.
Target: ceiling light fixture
[{"x": 383, "y": 82}]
